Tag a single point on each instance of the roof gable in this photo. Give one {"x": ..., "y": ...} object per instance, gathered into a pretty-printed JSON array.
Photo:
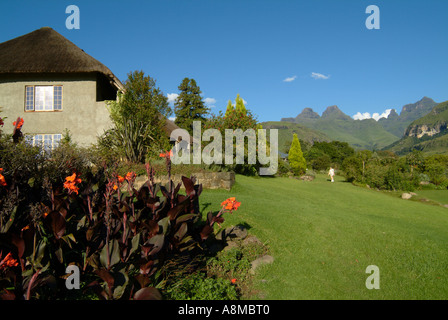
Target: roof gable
[{"x": 46, "y": 51}]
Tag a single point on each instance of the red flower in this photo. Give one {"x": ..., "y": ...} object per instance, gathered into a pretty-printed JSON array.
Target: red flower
[
  {"x": 233, "y": 281},
  {"x": 231, "y": 204},
  {"x": 130, "y": 176},
  {"x": 70, "y": 183},
  {"x": 1, "y": 122},
  {"x": 20, "y": 124},
  {"x": 2, "y": 179},
  {"x": 167, "y": 154},
  {"x": 8, "y": 261}
]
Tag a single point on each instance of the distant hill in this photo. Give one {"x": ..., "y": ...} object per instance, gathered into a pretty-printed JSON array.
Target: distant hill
[
  {"x": 428, "y": 133},
  {"x": 363, "y": 134},
  {"x": 397, "y": 124},
  {"x": 287, "y": 129}
]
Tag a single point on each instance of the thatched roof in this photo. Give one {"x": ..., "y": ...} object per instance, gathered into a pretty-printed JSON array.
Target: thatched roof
[{"x": 46, "y": 51}]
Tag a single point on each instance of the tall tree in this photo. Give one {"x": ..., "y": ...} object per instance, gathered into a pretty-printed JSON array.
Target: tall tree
[
  {"x": 295, "y": 157},
  {"x": 139, "y": 117},
  {"x": 239, "y": 105},
  {"x": 189, "y": 106}
]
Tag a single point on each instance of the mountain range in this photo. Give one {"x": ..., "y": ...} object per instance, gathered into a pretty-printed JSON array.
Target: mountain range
[
  {"x": 428, "y": 133},
  {"x": 361, "y": 134}
]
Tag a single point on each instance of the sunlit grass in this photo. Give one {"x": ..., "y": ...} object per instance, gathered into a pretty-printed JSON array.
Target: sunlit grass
[{"x": 323, "y": 236}]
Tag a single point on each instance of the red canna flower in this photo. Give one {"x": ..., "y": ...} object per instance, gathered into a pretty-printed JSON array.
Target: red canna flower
[
  {"x": 8, "y": 261},
  {"x": 20, "y": 124},
  {"x": 231, "y": 204},
  {"x": 2, "y": 179},
  {"x": 70, "y": 183},
  {"x": 130, "y": 176},
  {"x": 167, "y": 154}
]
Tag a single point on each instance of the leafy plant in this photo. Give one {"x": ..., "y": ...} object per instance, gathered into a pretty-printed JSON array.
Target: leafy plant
[{"x": 118, "y": 236}]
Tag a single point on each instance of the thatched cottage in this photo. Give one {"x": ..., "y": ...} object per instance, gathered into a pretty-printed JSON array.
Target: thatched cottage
[{"x": 54, "y": 85}]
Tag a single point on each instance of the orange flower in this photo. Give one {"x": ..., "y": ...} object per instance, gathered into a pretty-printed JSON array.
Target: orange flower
[
  {"x": 2, "y": 179},
  {"x": 233, "y": 281},
  {"x": 167, "y": 154},
  {"x": 115, "y": 187},
  {"x": 70, "y": 183},
  {"x": 231, "y": 204},
  {"x": 20, "y": 124},
  {"x": 120, "y": 179},
  {"x": 8, "y": 261},
  {"x": 130, "y": 175}
]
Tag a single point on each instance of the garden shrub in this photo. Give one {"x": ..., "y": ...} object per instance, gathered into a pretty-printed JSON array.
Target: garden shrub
[
  {"x": 54, "y": 214},
  {"x": 199, "y": 286}
]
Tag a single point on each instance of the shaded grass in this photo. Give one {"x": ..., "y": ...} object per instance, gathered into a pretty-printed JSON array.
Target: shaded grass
[{"x": 324, "y": 235}]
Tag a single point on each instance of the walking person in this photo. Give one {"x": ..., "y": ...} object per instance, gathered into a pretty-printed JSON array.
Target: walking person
[{"x": 331, "y": 174}]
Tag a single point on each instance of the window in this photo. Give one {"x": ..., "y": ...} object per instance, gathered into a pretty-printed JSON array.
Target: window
[
  {"x": 43, "y": 98},
  {"x": 47, "y": 142}
]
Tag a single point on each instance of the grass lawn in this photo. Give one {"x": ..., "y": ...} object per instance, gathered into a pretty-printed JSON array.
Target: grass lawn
[
  {"x": 439, "y": 196},
  {"x": 324, "y": 235}
]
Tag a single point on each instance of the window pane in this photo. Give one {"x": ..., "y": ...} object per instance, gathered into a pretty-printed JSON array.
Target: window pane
[
  {"x": 57, "y": 97},
  {"x": 48, "y": 139},
  {"x": 29, "y": 98},
  {"x": 56, "y": 140},
  {"x": 38, "y": 140},
  {"x": 44, "y": 98}
]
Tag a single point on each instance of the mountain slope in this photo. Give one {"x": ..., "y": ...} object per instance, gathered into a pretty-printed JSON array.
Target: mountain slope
[
  {"x": 364, "y": 134},
  {"x": 287, "y": 129},
  {"x": 428, "y": 133},
  {"x": 397, "y": 124}
]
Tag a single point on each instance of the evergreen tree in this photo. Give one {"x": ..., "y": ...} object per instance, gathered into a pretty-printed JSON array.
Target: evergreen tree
[
  {"x": 229, "y": 108},
  {"x": 139, "y": 116},
  {"x": 295, "y": 157},
  {"x": 189, "y": 106},
  {"x": 239, "y": 105}
]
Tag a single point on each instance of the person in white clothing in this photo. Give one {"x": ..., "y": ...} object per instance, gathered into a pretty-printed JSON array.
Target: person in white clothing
[{"x": 331, "y": 174}]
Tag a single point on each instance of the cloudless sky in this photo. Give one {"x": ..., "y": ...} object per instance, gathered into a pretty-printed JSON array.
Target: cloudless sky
[{"x": 251, "y": 46}]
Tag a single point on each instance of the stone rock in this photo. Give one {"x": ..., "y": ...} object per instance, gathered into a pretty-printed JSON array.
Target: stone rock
[
  {"x": 252, "y": 240},
  {"x": 231, "y": 245},
  {"x": 266, "y": 259},
  {"x": 406, "y": 196},
  {"x": 235, "y": 233}
]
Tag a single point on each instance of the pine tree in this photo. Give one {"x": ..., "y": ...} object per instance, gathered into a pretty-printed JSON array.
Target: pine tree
[
  {"x": 295, "y": 157},
  {"x": 239, "y": 105},
  {"x": 189, "y": 106},
  {"x": 229, "y": 108}
]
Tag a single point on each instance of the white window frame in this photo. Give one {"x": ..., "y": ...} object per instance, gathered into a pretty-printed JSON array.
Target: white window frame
[{"x": 43, "y": 92}]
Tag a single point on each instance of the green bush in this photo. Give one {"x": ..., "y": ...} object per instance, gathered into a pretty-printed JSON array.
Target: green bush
[{"x": 199, "y": 286}]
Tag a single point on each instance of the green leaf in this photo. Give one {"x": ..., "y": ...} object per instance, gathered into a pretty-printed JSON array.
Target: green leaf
[
  {"x": 31, "y": 182},
  {"x": 113, "y": 254},
  {"x": 8, "y": 224},
  {"x": 164, "y": 224}
]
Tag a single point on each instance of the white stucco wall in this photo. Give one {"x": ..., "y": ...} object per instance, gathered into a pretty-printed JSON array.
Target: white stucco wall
[{"x": 81, "y": 113}]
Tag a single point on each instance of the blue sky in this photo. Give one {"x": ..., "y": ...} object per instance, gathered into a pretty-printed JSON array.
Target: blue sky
[{"x": 251, "y": 47}]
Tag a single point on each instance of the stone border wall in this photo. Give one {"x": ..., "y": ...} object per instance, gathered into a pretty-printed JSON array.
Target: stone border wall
[{"x": 209, "y": 180}]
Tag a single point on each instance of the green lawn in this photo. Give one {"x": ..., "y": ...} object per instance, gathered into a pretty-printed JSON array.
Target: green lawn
[
  {"x": 323, "y": 236},
  {"x": 440, "y": 196}
]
